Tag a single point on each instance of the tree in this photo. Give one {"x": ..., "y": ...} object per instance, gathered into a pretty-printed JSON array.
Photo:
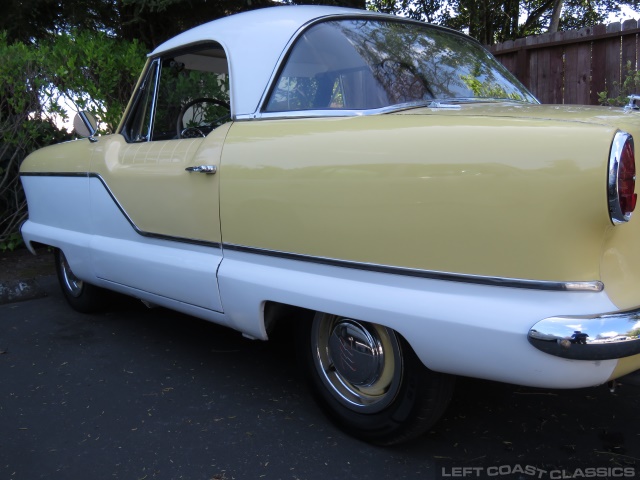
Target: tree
[
  {"x": 149, "y": 22},
  {"x": 155, "y": 22},
  {"x": 31, "y": 21},
  {"x": 361, "y": 4},
  {"x": 555, "y": 16},
  {"x": 492, "y": 21},
  {"x": 92, "y": 71},
  {"x": 87, "y": 69}
]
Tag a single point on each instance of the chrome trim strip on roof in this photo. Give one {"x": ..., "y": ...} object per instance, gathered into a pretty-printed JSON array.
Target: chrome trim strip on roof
[{"x": 582, "y": 286}]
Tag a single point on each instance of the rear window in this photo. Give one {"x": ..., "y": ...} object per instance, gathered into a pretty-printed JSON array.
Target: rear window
[{"x": 363, "y": 64}]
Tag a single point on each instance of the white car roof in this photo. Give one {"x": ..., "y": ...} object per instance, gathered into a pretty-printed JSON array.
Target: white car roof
[{"x": 254, "y": 42}]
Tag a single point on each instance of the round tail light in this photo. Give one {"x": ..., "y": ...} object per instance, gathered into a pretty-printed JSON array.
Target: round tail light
[{"x": 622, "y": 178}]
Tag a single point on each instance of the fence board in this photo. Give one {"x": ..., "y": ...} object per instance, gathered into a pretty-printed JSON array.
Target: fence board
[
  {"x": 583, "y": 76},
  {"x": 582, "y": 73},
  {"x": 573, "y": 67},
  {"x": 556, "y": 70},
  {"x": 629, "y": 47},
  {"x": 542, "y": 72},
  {"x": 612, "y": 60},
  {"x": 597, "y": 58},
  {"x": 572, "y": 55},
  {"x": 531, "y": 73}
]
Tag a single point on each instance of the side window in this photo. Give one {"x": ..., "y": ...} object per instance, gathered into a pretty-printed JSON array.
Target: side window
[
  {"x": 182, "y": 96},
  {"x": 370, "y": 64}
]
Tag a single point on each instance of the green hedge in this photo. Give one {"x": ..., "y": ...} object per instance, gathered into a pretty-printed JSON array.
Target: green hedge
[{"x": 85, "y": 70}]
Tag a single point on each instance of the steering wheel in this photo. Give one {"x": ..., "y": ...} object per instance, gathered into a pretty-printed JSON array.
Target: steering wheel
[{"x": 194, "y": 132}]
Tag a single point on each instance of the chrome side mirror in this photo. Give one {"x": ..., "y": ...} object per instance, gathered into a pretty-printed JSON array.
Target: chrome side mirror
[{"x": 86, "y": 125}]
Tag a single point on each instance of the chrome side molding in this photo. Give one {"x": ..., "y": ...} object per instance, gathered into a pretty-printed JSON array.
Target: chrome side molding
[
  {"x": 594, "y": 286},
  {"x": 605, "y": 336}
]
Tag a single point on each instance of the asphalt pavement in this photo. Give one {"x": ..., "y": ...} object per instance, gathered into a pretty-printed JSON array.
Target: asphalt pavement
[{"x": 140, "y": 393}]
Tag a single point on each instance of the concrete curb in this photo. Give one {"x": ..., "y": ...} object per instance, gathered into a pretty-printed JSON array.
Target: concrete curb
[{"x": 20, "y": 290}]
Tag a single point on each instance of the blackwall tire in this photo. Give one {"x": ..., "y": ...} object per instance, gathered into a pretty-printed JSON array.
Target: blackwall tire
[{"x": 369, "y": 381}]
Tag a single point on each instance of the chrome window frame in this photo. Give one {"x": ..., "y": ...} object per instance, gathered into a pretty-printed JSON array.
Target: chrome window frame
[
  {"x": 157, "y": 60},
  {"x": 137, "y": 97}
]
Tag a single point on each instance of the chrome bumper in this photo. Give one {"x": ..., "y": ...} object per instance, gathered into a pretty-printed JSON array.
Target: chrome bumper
[{"x": 591, "y": 337}]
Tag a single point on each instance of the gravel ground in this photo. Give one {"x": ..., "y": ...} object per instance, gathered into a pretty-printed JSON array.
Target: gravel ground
[{"x": 23, "y": 265}]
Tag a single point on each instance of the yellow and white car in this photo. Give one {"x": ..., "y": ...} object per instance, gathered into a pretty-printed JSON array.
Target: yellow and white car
[{"x": 384, "y": 184}]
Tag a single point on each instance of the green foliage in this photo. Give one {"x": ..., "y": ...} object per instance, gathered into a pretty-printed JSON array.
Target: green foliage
[
  {"x": 20, "y": 84},
  {"x": 492, "y": 21},
  {"x": 86, "y": 70},
  {"x": 484, "y": 89},
  {"x": 93, "y": 71},
  {"x": 13, "y": 241},
  {"x": 619, "y": 96},
  {"x": 35, "y": 20}
]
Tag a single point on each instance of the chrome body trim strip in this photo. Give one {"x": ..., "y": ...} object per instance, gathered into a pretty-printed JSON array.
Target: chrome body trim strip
[
  {"x": 603, "y": 336},
  {"x": 594, "y": 286},
  {"x": 137, "y": 229},
  {"x": 55, "y": 174},
  {"x": 579, "y": 286}
]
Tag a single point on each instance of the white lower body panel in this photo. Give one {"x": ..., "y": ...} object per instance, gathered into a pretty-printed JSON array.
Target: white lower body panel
[
  {"x": 457, "y": 328},
  {"x": 103, "y": 248}
]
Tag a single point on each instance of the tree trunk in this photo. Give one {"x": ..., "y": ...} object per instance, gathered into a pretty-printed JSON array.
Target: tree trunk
[{"x": 555, "y": 16}]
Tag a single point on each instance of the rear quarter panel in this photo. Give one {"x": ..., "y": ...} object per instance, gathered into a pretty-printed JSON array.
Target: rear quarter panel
[{"x": 506, "y": 197}]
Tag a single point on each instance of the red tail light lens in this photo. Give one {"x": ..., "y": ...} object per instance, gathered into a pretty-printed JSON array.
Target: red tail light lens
[{"x": 622, "y": 178}]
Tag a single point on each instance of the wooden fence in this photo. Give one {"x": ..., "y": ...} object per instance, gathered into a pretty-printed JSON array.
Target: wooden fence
[{"x": 573, "y": 67}]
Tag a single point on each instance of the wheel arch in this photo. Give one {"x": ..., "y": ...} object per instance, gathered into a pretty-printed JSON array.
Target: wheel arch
[{"x": 277, "y": 316}]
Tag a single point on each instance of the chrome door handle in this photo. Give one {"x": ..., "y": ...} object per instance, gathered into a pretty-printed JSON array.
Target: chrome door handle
[{"x": 210, "y": 169}]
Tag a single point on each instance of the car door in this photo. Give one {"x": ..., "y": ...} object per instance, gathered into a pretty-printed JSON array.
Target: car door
[{"x": 154, "y": 188}]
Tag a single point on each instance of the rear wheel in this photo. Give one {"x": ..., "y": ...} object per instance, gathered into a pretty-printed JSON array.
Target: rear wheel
[
  {"x": 369, "y": 380},
  {"x": 82, "y": 296}
]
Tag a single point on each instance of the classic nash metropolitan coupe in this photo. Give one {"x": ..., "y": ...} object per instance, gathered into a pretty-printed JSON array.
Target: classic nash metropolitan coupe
[{"x": 384, "y": 184}]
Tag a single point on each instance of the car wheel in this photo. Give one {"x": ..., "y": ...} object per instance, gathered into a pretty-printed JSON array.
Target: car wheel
[
  {"x": 82, "y": 296},
  {"x": 369, "y": 380}
]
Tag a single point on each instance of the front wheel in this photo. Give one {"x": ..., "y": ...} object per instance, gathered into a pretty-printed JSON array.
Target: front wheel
[
  {"x": 369, "y": 380},
  {"x": 83, "y": 297}
]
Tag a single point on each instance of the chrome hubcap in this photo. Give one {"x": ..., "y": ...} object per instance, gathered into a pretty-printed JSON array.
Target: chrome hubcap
[
  {"x": 359, "y": 363},
  {"x": 72, "y": 283},
  {"x": 356, "y": 354}
]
